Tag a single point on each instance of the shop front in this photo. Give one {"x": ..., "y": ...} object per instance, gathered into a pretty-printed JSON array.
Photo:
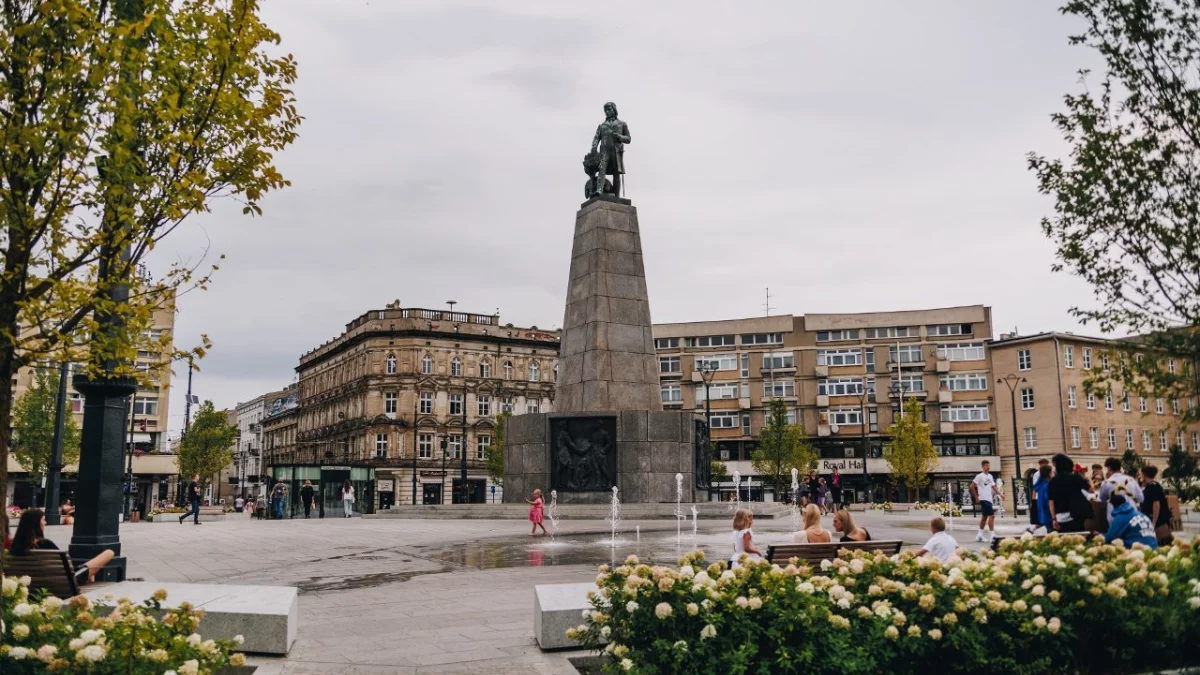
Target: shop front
[{"x": 327, "y": 482}]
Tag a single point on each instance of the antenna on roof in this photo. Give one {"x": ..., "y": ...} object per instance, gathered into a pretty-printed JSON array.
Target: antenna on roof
[{"x": 767, "y": 305}]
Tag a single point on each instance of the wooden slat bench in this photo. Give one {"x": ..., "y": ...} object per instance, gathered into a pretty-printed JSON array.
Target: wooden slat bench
[
  {"x": 816, "y": 552},
  {"x": 51, "y": 570}
]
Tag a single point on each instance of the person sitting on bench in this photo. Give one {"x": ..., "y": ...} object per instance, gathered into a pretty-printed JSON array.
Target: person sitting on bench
[{"x": 31, "y": 536}]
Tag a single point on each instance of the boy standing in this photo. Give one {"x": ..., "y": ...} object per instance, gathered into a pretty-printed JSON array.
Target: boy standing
[{"x": 983, "y": 491}]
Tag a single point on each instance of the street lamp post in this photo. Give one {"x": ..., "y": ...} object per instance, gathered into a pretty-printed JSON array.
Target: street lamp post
[
  {"x": 896, "y": 389},
  {"x": 445, "y": 442},
  {"x": 1012, "y": 381},
  {"x": 863, "y": 396},
  {"x": 54, "y": 468},
  {"x": 707, "y": 371}
]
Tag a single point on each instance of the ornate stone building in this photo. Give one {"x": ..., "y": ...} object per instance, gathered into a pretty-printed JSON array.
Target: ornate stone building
[{"x": 394, "y": 402}]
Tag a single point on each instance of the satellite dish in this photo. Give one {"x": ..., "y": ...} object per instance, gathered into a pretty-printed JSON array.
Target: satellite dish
[{"x": 834, "y": 428}]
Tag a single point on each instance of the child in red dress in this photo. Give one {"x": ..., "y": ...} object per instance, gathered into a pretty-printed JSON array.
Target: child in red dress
[{"x": 535, "y": 512}]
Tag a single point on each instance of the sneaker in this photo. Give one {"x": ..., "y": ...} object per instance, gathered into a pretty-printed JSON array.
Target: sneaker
[
  {"x": 979, "y": 537},
  {"x": 199, "y": 523}
]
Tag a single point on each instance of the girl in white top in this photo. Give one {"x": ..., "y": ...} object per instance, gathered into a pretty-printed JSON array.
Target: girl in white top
[
  {"x": 743, "y": 536},
  {"x": 347, "y": 498},
  {"x": 812, "y": 533}
]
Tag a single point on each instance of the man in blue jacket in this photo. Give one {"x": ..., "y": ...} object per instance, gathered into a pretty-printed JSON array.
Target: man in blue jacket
[{"x": 1128, "y": 524}]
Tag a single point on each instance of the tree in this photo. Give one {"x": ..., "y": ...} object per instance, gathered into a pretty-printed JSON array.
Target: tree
[
  {"x": 1131, "y": 462},
  {"x": 782, "y": 447},
  {"x": 493, "y": 454},
  {"x": 1181, "y": 471},
  {"x": 33, "y": 426},
  {"x": 911, "y": 455},
  {"x": 720, "y": 473},
  {"x": 118, "y": 120},
  {"x": 1125, "y": 202},
  {"x": 207, "y": 445}
]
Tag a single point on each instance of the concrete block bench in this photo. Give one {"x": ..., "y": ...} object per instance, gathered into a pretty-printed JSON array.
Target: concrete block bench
[
  {"x": 266, "y": 616},
  {"x": 557, "y": 607}
]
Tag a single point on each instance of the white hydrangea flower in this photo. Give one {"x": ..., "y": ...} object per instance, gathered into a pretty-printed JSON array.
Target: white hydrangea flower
[
  {"x": 662, "y": 610},
  {"x": 194, "y": 639},
  {"x": 626, "y": 664},
  {"x": 605, "y": 631},
  {"x": 91, "y": 653},
  {"x": 190, "y": 667},
  {"x": 24, "y": 580},
  {"x": 76, "y": 644},
  {"x": 18, "y": 653},
  {"x": 631, "y": 607},
  {"x": 1194, "y": 602},
  {"x": 693, "y": 609},
  {"x": 709, "y": 631},
  {"x": 22, "y": 610}
]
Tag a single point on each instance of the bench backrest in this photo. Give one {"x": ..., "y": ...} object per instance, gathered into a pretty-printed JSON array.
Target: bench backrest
[
  {"x": 783, "y": 553},
  {"x": 51, "y": 570}
]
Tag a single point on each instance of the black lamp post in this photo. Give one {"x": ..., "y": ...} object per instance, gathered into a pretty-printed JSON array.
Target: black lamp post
[
  {"x": 863, "y": 396},
  {"x": 54, "y": 468},
  {"x": 707, "y": 371},
  {"x": 445, "y": 442},
  {"x": 1012, "y": 381}
]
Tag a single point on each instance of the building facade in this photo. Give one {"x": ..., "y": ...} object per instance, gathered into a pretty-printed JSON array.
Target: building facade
[
  {"x": 398, "y": 400},
  {"x": 1054, "y": 411},
  {"x": 843, "y": 377}
]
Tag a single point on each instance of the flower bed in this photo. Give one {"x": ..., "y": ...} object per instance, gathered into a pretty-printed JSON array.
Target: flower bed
[
  {"x": 945, "y": 509},
  {"x": 47, "y": 635},
  {"x": 1049, "y": 605}
]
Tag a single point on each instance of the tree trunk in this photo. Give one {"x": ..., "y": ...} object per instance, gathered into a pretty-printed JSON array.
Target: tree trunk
[{"x": 8, "y": 370}]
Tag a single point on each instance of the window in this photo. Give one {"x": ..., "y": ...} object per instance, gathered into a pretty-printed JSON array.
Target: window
[
  {"x": 1074, "y": 437},
  {"x": 1024, "y": 359},
  {"x": 1104, "y": 360},
  {"x": 145, "y": 406},
  {"x": 390, "y": 367},
  {"x": 1068, "y": 356},
  {"x": 1031, "y": 438},
  {"x": 671, "y": 393},
  {"x": 666, "y": 343},
  {"x": 745, "y": 365},
  {"x": 1108, "y": 401},
  {"x": 845, "y": 417},
  {"x": 1093, "y": 437},
  {"x": 427, "y": 365},
  {"x": 485, "y": 368},
  {"x": 1162, "y": 441},
  {"x": 390, "y": 401},
  {"x": 895, "y": 332},
  {"x": 1027, "y": 398},
  {"x": 948, "y": 329},
  {"x": 964, "y": 351},
  {"x": 966, "y": 412},
  {"x": 1087, "y": 358},
  {"x": 1125, "y": 401},
  {"x": 1171, "y": 366},
  {"x": 839, "y": 357},
  {"x": 745, "y": 390},
  {"x": 762, "y": 339},
  {"x": 710, "y": 341},
  {"x": 778, "y": 360},
  {"x": 870, "y": 359},
  {"x": 484, "y": 405},
  {"x": 454, "y": 446},
  {"x": 1142, "y": 404},
  {"x": 1129, "y": 439},
  {"x": 1174, "y": 406},
  {"x": 1158, "y": 406},
  {"x": 779, "y": 389},
  {"x": 840, "y": 386},
  {"x": 1145, "y": 440},
  {"x": 1091, "y": 400},
  {"x": 425, "y": 403},
  {"x": 76, "y": 402},
  {"x": 718, "y": 391},
  {"x": 717, "y": 362},
  {"x": 508, "y": 370},
  {"x": 836, "y": 335},
  {"x": 425, "y": 446},
  {"x": 1179, "y": 440},
  {"x": 908, "y": 383},
  {"x": 456, "y": 404},
  {"x": 907, "y": 354},
  {"x": 1072, "y": 397},
  {"x": 482, "y": 441},
  {"x": 456, "y": 367},
  {"x": 535, "y": 372},
  {"x": 724, "y": 420},
  {"x": 964, "y": 382},
  {"x": 381, "y": 443},
  {"x": 745, "y": 425},
  {"x": 1112, "y": 438},
  {"x": 506, "y": 404},
  {"x": 1196, "y": 441},
  {"x": 533, "y": 405},
  {"x": 669, "y": 364}
]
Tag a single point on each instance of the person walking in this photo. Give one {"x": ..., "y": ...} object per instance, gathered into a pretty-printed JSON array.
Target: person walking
[
  {"x": 1155, "y": 505},
  {"x": 983, "y": 490},
  {"x": 536, "y": 513},
  {"x": 1070, "y": 504},
  {"x": 835, "y": 485},
  {"x": 822, "y": 492},
  {"x": 277, "y": 494},
  {"x": 347, "y": 498},
  {"x": 1032, "y": 477},
  {"x": 306, "y": 497},
  {"x": 193, "y": 497}
]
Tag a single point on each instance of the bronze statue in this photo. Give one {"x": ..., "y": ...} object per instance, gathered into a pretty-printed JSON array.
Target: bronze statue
[
  {"x": 591, "y": 164},
  {"x": 611, "y": 137}
]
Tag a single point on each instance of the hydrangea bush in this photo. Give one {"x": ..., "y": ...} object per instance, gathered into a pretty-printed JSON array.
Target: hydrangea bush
[
  {"x": 1055, "y": 604},
  {"x": 945, "y": 509},
  {"x": 45, "y": 634}
]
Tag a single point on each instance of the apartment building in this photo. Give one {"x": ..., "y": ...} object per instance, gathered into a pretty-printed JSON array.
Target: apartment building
[
  {"x": 843, "y": 377},
  {"x": 1056, "y": 413},
  {"x": 397, "y": 401}
]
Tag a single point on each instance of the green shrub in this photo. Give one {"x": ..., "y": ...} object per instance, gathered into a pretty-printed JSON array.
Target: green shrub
[
  {"x": 47, "y": 635},
  {"x": 1051, "y": 605}
]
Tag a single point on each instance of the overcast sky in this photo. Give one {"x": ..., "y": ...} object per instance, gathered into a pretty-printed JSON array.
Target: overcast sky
[{"x": 852, "y": 156}]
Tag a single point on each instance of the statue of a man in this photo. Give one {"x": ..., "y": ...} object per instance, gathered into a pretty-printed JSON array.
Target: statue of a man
[{"x": 611, "y": 137}]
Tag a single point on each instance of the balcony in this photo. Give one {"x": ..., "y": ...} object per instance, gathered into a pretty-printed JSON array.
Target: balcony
[
  {"x": 943, "y": 366},
  {"x": 823, "y": 430},
  {"x": 822, "y": 371},
  {"x": 822, "y": 401},
  {"x": 946, "y": 427},
  {"x": 906, "y": 365},
  {"x": 945, "y": 395},
  {"x": 744, "y": 403},
  {"x": 896, "y": 395}
]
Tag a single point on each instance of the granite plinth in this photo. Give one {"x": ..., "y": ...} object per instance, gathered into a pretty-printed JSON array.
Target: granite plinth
[
  {"x": 266, "y": 616},
  {"x": 557, "y": 607}
]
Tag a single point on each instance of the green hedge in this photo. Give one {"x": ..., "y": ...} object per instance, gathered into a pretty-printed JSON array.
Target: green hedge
[{"x": 1051, "y": 605}]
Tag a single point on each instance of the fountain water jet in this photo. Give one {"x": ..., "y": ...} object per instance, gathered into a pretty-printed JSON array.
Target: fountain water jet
[
  {"x": 679, "y": 516},
  {"x": 737, "y": 490},
  {"x": 615, "y": 515},
  {"x": 695, "y": 512},
  {"x": 552, "y": 513},
  {"x": 795, "y": 508}
]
